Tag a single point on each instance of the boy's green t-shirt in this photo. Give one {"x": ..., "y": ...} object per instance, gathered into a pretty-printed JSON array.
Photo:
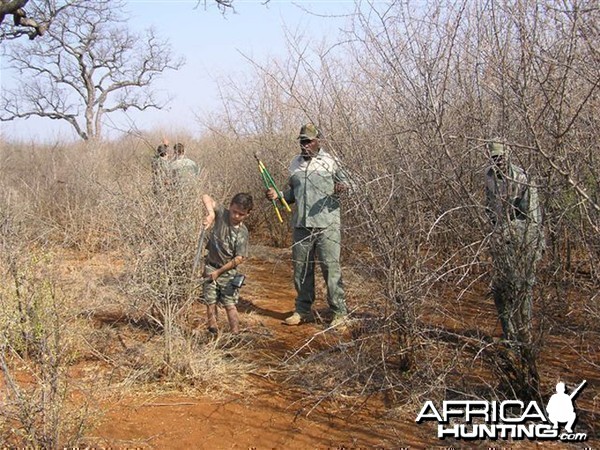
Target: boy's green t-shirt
[{"x": 225, "y": 241}]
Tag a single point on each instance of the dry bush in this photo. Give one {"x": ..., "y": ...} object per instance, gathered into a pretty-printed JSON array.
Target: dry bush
[
  {"x": 437, "y": 132},
  {"x": 161, "y": 235},
  {"x": 366, "y": 359},
  {"x": 97, "y": 197},
  {"x": 40, "y": 405},
  {"x": 408, "y": 99},
  {"x": 197, "y": 363},
  {"x": 66, "y": 193}
]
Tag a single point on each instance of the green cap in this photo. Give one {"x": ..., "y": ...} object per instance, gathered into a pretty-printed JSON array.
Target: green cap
[
  {"x": 496, "y": 149},
  {"x": 309, "y": 131}
]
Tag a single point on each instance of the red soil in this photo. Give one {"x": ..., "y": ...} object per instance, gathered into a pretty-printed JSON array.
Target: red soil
[
  {"x": 274, "y": 413},
  {"x": 269, "y": 417}
]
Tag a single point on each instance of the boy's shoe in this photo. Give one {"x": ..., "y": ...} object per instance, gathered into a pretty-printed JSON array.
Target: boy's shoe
[{"x": 297, "y": 319}]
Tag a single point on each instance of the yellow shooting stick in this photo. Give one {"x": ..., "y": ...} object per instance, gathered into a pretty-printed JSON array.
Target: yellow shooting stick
[{"x": 273, "y": 185}]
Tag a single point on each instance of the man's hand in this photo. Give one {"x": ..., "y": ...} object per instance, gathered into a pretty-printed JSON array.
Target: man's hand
[{"x": 271, "y": 194}]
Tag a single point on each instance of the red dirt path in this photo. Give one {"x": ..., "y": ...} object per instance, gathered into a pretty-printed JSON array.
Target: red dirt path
[
  {"x": 270, "y": 416},
  {"x": 273, "y": 413}
]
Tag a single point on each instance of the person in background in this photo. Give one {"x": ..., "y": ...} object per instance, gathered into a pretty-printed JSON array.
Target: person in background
[
  {"x": 517, "y": 241},
  {"x": 182, "y": 168},
  {"x": 160, "y": 168}
]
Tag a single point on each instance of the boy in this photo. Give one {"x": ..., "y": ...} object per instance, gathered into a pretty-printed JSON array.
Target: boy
[{"x": 227, "y": 248}]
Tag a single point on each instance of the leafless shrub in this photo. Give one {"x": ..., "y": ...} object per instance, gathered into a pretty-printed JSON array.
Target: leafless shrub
[
  {"x": 75, "y": 196},
  {"x": 40, "y": 407},
  {"x": 408, "y": 99},
  {"x": 161, "y": 233},
  {"x": 197, "y": 362},
  {"x": 66, "y": 193}
]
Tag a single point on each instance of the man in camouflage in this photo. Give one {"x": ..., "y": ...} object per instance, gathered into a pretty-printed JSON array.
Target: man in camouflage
[
  {"x": 160, "y": 168},
  {"x": 182, "y": 168},
  {"x": 316, "y": 179},
  {"x": 516, "y": 242},
  {"x": 227, "y": 249}
]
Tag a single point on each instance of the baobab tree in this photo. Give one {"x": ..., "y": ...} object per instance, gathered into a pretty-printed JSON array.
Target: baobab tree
[{"x": 87, "y": 66}]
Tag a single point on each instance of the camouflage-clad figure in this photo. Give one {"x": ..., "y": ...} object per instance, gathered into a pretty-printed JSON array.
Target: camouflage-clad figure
[
  {"x": 183, "y": 169},
  {"x": 160, "y": 169},
  {"x": 316, "y": 179},
  {"x": 517, "y": 241},
  {"x": 227, "y": 249}
]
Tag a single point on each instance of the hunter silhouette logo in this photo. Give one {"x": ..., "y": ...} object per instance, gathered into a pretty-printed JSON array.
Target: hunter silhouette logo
[
  {"x": 508, "y": 419},
  {"x": 560, "y": 407}
]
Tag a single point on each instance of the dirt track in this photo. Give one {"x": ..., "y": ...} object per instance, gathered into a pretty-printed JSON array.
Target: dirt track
[
  {"x": 271, "y": 415},
  {"x": 276, "y": 414}
]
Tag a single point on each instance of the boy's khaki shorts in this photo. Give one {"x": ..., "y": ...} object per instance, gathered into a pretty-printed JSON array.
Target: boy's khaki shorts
[{"x": 222, "y": 290}]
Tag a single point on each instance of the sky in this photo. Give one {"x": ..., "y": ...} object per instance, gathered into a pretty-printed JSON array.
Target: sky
[{"x": 214, "y": 45}]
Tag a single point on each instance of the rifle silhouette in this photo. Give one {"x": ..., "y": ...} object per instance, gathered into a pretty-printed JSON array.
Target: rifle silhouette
[{"x": 576, "y": 391}]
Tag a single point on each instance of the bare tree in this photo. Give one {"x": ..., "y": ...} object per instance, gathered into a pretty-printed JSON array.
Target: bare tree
[
  {"x": 31, "y": 17},
  {"x": 88, "y": 65}
]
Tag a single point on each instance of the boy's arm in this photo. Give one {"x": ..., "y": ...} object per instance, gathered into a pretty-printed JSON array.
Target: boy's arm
[
  {"x": 210, "y": 206},
  {"x": 230, "y": 265}
]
